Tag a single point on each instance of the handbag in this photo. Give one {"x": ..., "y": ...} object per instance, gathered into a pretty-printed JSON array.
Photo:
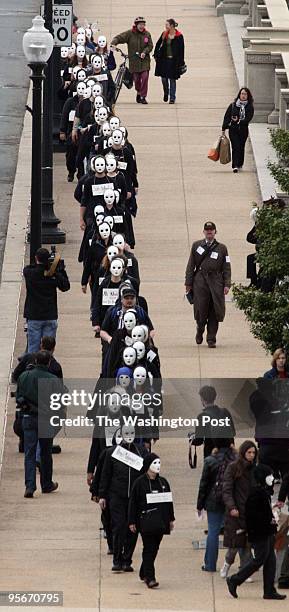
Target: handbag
[
  {"x": 225, "y": 150},
  {"x": 128, "y": 79},
  {"x": 214, "y": 151},
  {"x": 190, "y": 293}
]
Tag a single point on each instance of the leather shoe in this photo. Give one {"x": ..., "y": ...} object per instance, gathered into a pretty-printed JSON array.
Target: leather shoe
[
  {"x": 138, "y": 98},
  {"x": 116, "y": 568},
  {"x": 171, "y": 102},
  {"x": 28, "y": 493},
  {"x": 152, "y": 584},
  {"x": 211, "y": 344},
  {"x": 127, "y": 568},
  {"x": 199, "y": 336},
  {"x": 232, "y": 587},
  {"x": 53, "y": 487},
  {"x": 143, "y": 101},
  {"x": 70, "y": 178},
  {"x": 166, "y": 97},
  {"x": 274, "y": 596}
]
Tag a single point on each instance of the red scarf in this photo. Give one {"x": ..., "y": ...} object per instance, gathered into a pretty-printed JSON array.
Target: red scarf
[{"x": 166, "y": 34}]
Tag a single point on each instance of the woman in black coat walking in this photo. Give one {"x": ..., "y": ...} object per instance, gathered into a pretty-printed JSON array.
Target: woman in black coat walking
[
  {"x": 152, "y": 519},
  {"x": 237, "y": 118},
  {"x": 169, "y": 57}
]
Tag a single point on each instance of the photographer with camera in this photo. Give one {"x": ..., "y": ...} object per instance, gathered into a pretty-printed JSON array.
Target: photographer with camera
[{"x": 42, "y": 281}]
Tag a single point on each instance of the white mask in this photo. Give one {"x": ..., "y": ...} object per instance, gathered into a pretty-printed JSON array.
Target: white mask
[
  {"x": 96, "y": 90},
  {"x": 99, "y": 164},
  {"x": 102, "y": 113},
  {"x": 114, "y": 123},
  {"x": 114, "y": 403},
  {"x": 96, "y": 116},
  {"x": 90, "y": 82},
  {"x": 146, "y": 332},
  {"x": 117, "y": 196},
  {"x": 101, "y": 42},
  {"x": 137, "y": 334},
  {"x": 269, "y": 480},
  {"x": 140, "y": 349},
  {"x": 110, "y": 221},
  {"x": 128, "y": 433},
  {"x": 105, "y": 130},
  {"x": 104, "y": 230},
  {"x": 117, "y": 137},
  {"x": 109, "y": 197},
  {"x": 98, "y": 102},
  {"x": 64, "y": 52},
  {"x": 129, "y": 356},
  {"x": 129, "y": 320},
  {"x": 118, "y": 241},
  {"x": 110, "y": 163},
  {"x": 87, "y": 92},
  {"x": 112, "y": 251},
  {"x": 80, "y": 39},
  {"x": 116, "y": 267},
  {"x": 80, "y": 30},
  {"x": 81, "y": 75},
  {"x": 139, "y": 375},
  {"x": 75, "y": 70},
  {"x": 99, "y": 219},
  {"x": 80, "y": 52},
  {"x": 96, "y": 62},
  {"x": 155, "y": 466},
  {"x": 98, "y": 209},
  {"x": 81, "y": 88},
  {"x": 109, "y": 142},
  {"x": 88, "y": 33},
  {"x": 124, "y": 380}
]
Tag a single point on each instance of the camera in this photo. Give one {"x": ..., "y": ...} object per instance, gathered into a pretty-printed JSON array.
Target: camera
[{"x": 56, "y": 264}]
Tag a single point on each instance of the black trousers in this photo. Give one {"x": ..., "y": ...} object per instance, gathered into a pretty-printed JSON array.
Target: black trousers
[
  {"x": 46, "y": 462},
  {"x": 252, "y": 269},
  {"x": 207, "y": 318},
  {"x": 106, "y": 523},
  {"x": 238, "y": 137},
  {"x": 71, "y": 154},
  {"x": 264, "y": 554},
  {"x": 124, "y": 541},
  {"x": 151, "y": 544}
]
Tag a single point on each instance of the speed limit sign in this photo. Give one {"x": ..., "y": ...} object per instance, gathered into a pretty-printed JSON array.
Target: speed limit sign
[{"x": 62, "y": 25}]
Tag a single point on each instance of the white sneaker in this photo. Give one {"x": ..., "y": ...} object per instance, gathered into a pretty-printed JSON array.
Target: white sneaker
[
  {"x": 249, "y": 580},
  {"x": 225, "y": 570}
]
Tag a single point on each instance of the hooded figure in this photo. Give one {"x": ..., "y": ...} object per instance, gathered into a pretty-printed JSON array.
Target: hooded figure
[{"x": 152, "y": 518}]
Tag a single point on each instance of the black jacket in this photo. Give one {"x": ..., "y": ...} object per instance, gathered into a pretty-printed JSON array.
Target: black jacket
[
  {"x": 234, "y": 111},
  {"x": 138, "y": 501},
  {"x": 66, "y": 124},
  {"x": 98, "y": 309},
  {"x": 172, "y": 70},
  {"x": 208, "y": 435},
  {"x": 117, "y": 477},
  {"x": 130, "y": 172},
  {"x": 28, "y": 361},
  {"x": 41, "y": 292},
  {"x": 207, "y": 498},
  {"x": 259, "y": 517}
]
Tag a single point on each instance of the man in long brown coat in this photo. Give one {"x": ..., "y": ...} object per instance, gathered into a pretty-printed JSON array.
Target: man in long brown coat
[{"x": 209, "y": 277}]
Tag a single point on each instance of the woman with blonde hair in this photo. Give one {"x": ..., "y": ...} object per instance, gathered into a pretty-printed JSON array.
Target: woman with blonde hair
[{"x": 280, "y": 367}]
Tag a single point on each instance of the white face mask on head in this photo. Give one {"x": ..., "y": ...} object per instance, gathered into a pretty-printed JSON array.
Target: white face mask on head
[
  {"x": 81, "y": 88},
  {"x": 139, "y": 375},
  {"x": 87, "y": 92},
  {"x": 109, "y": 197},
  {"x": 114, "y": 401},
  {"x": 101, "y": 42},
  {"x": 98, "y": 209},
  {"x": 105, "y": 130},
  {"x": 80, "y": 30},
  {"x": 140, "y": 349},
  {"x": 138, "y": 334},
  {"x": 112, "y": 251},
  {"x": 116, "y": 137},
  {"x": 88, "y": 33},
  {"x": 146, "y": 332},
  {"x": 114, "y": 123},
  {"x": 64, "y": 52},
  {"x": 124, "y": 380},
  {"x": 129, "y": 356},
  {"x": 81, "y": 75},
  {"x": 80, "y": 52},
  {"x": 99, "y": 165},
  {"x": 75, "y": 70},
  {"x": 129, "y": 320},
  {"x": 109, "y": 220},
  {"x": 80, "y": 39},
  {"x": 102, "y": 113},
  {"x": 110, "y": 163},
  {"x": 96, "y": 90},
  {"x": 128, "y": 433},
  {"x": 116, "y": 267},
  {"x": 155, "y": 466},
  {"x": 98, "y": 102},
  {"x": 96, "y": 62},
  {"x": 269, "y": 480},
  {"x": 99, "y": 219},
  {"x": 118, "y": 241},
  {"x": 109, "y": 142},
  {"x": 104, "y": 230}
]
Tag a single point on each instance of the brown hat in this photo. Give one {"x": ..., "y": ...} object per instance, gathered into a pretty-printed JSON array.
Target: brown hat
[{"x": 209, "y": 225}]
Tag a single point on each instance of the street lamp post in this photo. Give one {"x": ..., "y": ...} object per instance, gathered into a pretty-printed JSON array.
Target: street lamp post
[
  {"x": 37, "y": 47},
  {"x": 51, "y": 234}
]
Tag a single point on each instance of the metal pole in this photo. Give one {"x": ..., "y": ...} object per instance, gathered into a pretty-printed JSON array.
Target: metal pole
[
  {"x": 50, "y": 232},
  {"x": 36, "y": 179}
]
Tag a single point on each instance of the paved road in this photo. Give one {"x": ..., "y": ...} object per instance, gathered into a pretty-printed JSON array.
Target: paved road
[{"x": 15, "y": 18}]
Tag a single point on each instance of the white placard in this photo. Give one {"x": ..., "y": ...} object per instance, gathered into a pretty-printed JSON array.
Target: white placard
[
  {"x": 159, "y": 498},
  {"x": 101, "y": 278},
  {"x": 61, "y": 72},
  {"x": 228, "y": 259},
  {"x": 71, "y": 115},
  {"x": 70, "y": 70},
  {"x": 214, "y": 255},
  {"x": 128, "y": 341},
  {"x": 122, "y": 165},
  {"x": 130, "y": 459},
  {"x": 109, "y": 296},
  {"x": 129, "y": 262},
  {"x": 151, "y": 355},
  {"x": 200, "y": 250},
  {"x": 101, "y": 77},
  {"x": 118, "y": 218},
  {"x": 99, "y": 189}
]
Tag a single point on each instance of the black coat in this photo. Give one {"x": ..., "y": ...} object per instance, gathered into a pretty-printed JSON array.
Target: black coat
[
  {"x": 234, "y": 111},
  {"x": 117, "y": 477},
  {"x": 41, "y": 292},
  {"x": 207, "y": 493},
  {"x": 259, "y": 517},
  {"x": 169, "y": 69},
  {"x": 138, "y": 501},
  {"x": 235, "y": 494},
  {"x": 207, "y": 435}
]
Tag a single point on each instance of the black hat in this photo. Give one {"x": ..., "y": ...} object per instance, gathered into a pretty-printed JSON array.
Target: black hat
[
  {"x": 260, "y": 472},
  {"x": 126, "y": 291},
  {"x": 209, "y": 225},
  {"x": 148, "y": 461}
]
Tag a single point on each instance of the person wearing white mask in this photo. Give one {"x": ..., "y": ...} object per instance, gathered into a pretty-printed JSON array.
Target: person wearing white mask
[
  {"x": 105, "y": 52},
  {"x": 151, "y": 525},
  {"x": 65, "y": 131},
  {"x": 114, "y": 316},
  {"x": 116, "y": 481},
  {"x": 94, "y": 255}
]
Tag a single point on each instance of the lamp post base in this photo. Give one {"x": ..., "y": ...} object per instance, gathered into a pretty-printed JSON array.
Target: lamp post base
[{"x": 51, "y": 234}]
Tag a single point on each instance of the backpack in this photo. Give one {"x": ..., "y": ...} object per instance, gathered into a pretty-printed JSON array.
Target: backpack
[{"x": 218, "y": 486}]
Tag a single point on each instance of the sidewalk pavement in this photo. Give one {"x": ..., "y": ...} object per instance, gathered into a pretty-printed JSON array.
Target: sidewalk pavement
[{"x": 53, "y": 542}]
